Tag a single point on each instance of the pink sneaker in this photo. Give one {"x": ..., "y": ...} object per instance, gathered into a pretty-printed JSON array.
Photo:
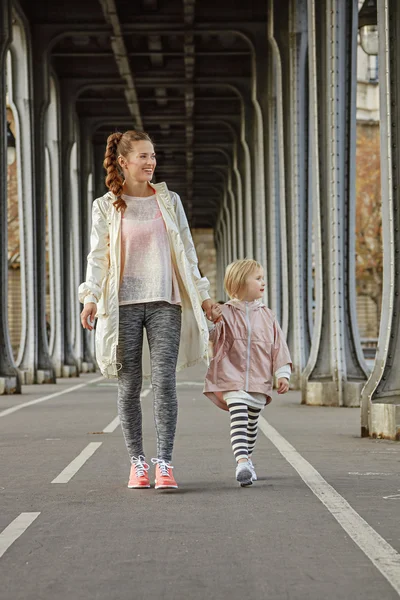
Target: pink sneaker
[
  {"x": 139, "y": 477},
  {"x": 164, "y": 477}
]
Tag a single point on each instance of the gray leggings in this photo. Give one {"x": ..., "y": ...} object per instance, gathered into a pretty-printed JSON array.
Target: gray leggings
[{"x": 163, "y": 326}]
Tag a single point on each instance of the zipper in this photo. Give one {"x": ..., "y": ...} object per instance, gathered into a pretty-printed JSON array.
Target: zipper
[
  {"x": 115, "y": 233},
  {"x": 248, "y": 347}
]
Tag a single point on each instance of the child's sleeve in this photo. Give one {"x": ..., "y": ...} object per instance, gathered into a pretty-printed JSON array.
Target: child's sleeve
[
  {"x": 216, "y": 332},
  {"x": 280, "y": 353},
  {"x": 284, "y": 371}
]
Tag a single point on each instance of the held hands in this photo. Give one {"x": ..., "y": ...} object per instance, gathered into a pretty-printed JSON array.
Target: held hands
[
  {"x": 216, "y": 313},
  {"x": 88, "y": 314},
  {"x": 213, "y": 311},
  {"x": 283, "y": 385}
]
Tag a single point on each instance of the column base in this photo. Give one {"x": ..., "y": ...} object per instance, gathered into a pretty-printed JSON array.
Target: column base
[
  {"x": 384, "y": 422},
  {"x": 9, "y": 385},
  {"x": 69, "y": 371},
  {"x": 320, "y": 393},
  {"x": 45, "y": 376},
  {"x": 26, "y": 376},
  {"x": 295, "y": 381},
  {"x": 88, "y": 367},
  {"x": 352, "y": 393},
  {"x": 325, "y": 393}
]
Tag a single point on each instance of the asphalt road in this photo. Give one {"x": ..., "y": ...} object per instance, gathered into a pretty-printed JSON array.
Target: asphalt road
[{"x": 322, "y": 522}]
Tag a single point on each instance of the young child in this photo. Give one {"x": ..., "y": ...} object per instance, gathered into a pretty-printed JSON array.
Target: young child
[{"x": 249, "y": 348}]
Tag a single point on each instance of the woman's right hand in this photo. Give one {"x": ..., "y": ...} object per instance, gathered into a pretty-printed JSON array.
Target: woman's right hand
[{"x": 88, "y": 314}]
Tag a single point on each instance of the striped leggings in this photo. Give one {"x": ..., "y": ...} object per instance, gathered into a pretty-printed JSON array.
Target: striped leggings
[
  {"x": 244, "y": 429},
  {"x": 163, "y": 326}
]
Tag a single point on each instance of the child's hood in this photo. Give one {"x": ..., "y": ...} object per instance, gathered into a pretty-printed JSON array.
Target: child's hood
[{"x": 242, "y": 304}]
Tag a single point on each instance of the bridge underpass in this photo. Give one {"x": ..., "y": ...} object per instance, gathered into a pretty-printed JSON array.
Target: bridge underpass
[{"x": 252, "y": 107}]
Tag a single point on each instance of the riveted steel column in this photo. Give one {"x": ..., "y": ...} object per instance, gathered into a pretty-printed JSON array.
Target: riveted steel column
[
  {"x": 70, "y": 293},
  {"x": 54, "y": 219},
  {"x": 293, "y": 42},
  {"x": 86, "y": 171},
  {"x": 339, "y": 370},
  {"x": 9, "y": 382},
  {"x": 278, "y": 280},
  {"x": 41, "y": 99},
  {"x": 99, "y": 172},
  {"x": 217, "y": 252},
  {"x": 19, "y": 76},
  {"x": 380, "y": 414},
  {"x": 244, "y": 157}
]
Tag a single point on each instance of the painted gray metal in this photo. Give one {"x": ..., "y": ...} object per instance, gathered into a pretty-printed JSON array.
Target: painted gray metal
[
  {"x": 339, "y": 358},
  {"x": 9, "y": 382},
  {"x": 383, "y": 385}
]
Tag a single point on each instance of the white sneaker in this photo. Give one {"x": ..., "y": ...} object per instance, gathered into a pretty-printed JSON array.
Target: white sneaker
[
  {"x": 244, "y": 474},
  {"x": 253, "y": 471}
]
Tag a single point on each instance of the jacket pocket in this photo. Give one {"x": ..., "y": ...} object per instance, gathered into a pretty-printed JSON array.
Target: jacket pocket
[{"x": 103, "y": 304}]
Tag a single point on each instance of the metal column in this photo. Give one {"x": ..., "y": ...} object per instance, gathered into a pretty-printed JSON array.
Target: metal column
[
  {"x": 41, "y": 97},
  {"x": 9, "y": 382},
  {"x": 380, "y": 401},
  {"x": 293, "y": 45},
  {"x": 336, "y": 371}
]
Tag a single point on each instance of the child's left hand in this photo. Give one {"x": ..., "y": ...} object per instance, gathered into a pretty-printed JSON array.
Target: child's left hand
[{"x": 283, "y": 385}]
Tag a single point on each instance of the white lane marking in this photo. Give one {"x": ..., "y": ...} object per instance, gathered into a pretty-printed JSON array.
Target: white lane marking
[
  {"x": 392, "y": 497},
  {"x": 107, "y": 384},
  {"x": 77, "y": 463},
  {"x": 380, "y": 553},
  {"x": 15, "y": 529},
  {"x": 191, "y": 383},
  {"x": 112, "y": 426},
  {"x": 14, "y": 409},
  {"x": 369, "y": 473},
  {"x": 145, "y": 393}
]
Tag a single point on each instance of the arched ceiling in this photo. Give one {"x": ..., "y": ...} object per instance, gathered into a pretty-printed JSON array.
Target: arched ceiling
[{"x": 167, "y": 66}]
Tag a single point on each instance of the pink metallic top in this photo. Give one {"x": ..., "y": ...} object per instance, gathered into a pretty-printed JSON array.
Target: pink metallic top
[
  {"x": 147, "y": 272},
  {"x": 249, "y": 347}
]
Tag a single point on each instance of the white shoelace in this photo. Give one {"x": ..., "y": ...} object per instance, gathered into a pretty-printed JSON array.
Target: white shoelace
[
  {"x": 140, "y": 465},
  {"x": 163, "y": 465}
]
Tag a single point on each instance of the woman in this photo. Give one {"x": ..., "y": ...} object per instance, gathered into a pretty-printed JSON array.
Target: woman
[{"x": 142, "y": 273}]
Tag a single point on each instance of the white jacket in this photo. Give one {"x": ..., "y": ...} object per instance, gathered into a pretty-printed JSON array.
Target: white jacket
[{"x": 103, "y": 277}]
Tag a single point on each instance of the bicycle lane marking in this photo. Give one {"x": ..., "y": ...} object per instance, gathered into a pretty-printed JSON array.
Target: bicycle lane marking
[
  {"x": 13, "y": 409},
  {"x": 383, "y": 556}
]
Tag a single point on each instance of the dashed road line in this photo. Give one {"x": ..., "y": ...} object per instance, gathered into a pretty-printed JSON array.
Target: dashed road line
[
  {"x": 77, "y": 463},
  {"x": 13, "y": 409},
  {"x": 112, "y": 426},
  {"x": 385, "y": 558},
  {"x": 15, "y": 529}
]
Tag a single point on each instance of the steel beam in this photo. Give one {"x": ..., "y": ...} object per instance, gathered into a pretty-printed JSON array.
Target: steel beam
[
  {"x": 45, "y": 372},
  {"x": 336, "y": 371},
  {"x": 122, "y": 60},
  {"x": 277, "y": 229},
  {"x": 380, "y": 400},
  {"x": 9, "y": 382},
  {"x": 293, "y": 45},
  {"x": 19, "y": 98}
]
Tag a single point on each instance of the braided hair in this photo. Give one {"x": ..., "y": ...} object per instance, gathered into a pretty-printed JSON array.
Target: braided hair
[{"x": 119, "y": 144}]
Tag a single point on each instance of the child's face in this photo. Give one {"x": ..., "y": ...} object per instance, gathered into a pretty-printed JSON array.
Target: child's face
[{"x": 255, "y": 285}]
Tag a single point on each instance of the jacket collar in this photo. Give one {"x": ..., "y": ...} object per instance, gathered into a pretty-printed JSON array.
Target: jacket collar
[{"x": 241, "y": 304}]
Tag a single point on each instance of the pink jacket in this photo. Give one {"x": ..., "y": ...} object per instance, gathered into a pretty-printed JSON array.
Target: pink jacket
[{"x": 248, "y": 348}]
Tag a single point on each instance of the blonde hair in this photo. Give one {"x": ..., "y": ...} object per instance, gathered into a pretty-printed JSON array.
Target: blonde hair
[
  {"x": 120, "y": 144},
  {"x": 235, "y": 276}
]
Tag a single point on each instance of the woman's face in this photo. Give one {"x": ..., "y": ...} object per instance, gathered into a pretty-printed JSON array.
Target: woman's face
[{"x": 140, "y": 163}]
